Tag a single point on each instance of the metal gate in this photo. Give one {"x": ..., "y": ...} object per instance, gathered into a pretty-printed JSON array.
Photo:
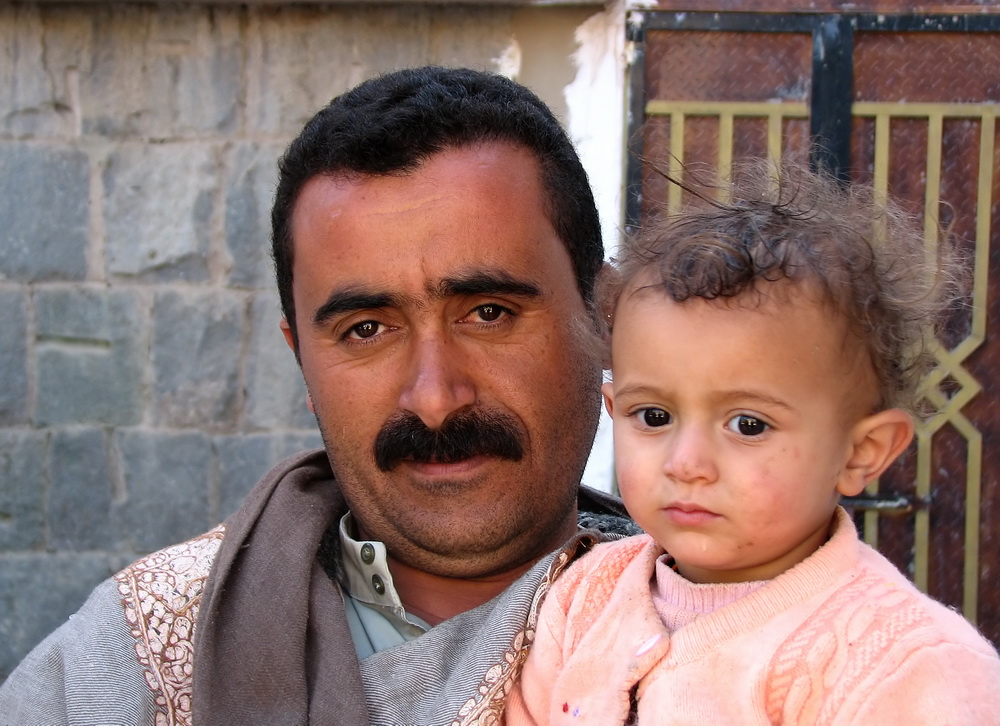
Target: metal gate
[{"x": 908, "y": 102}]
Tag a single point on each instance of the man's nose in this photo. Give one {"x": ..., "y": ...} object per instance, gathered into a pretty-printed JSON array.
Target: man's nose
[
  {"x": 690, "y": 456},
  {"x": 438, "y": 381}
]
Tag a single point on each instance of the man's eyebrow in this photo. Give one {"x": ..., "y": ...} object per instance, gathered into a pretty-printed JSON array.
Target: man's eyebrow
[
  {"x": 487, "y": 283},
  {"x": 349, "y": 300},
  {"x": 490, "y": 282}
]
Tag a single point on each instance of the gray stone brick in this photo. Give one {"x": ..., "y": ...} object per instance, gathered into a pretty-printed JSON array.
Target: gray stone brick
[
  {"x": 22, "y": 474},
  {"x": 163, "y": 72},
  {"x": 166, "y": 481},
  {"x": 80, "y": 496},
  {"x": 276, "y": 393},
  {"x": 90, "y": 356},
  {"x": 244, "y": 459},
  {"x": 250, "y": 187},
  {"x": 346, "y": 39},
  {"x": 35, "y": 99},
  {"x": 39, "y": 592},
  {"x": 197, "y": 340},
  {"x": 44, "y": 213},
  {"x": 158, "y": 211},
  {"x": 14, "y": 357}
]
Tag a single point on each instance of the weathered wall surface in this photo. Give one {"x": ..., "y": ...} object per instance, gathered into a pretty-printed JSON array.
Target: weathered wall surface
[{"x": 144, "y": 385}]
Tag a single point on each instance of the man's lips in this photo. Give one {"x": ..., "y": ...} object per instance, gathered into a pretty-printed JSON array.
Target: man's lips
[{"x": 444, "y": 468}]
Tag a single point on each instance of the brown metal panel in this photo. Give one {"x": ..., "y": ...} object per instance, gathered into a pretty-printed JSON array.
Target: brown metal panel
[
  {"x": 926, "y": 67},
  {"x": 719, "y": 66},
  {"x": 656, "y": 141},
  {"x": 722, "y": 66}
]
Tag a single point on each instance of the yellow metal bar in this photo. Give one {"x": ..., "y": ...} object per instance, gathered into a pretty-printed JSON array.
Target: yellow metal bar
[
  {"x": 921, "y": 519},
  {"x": 725, "y": 148},
  {"x": 738, "y": 109},
  {"x": 923, "y": 110},
  {"x": 973, "y": 502},
  {"x": 880, "y": 181},
  {"x": 676, "y": 160},
  {"x": 774, "y": 139},
  {"x": 932, "y": 191},
  {"x": 984, "y": 204},
  {"x": 880, "y": 184},
  {"x": 925, "y": 443}
]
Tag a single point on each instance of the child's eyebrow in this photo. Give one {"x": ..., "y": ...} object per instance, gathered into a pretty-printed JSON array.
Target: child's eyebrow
[
  {"x": 753, "y": 396},
  {"x": 638, "y": 389}
]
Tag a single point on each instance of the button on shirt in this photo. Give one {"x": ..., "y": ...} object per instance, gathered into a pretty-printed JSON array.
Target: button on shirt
[{"x": 375, "y": 613}]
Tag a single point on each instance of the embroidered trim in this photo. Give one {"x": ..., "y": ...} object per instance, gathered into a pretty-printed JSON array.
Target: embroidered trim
[
  {"x": 160, "y": 595},
  {"x": 486, "y": 709}
]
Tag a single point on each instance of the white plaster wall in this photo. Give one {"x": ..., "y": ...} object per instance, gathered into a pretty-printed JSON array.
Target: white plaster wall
[{"x": 596, "y": 103}]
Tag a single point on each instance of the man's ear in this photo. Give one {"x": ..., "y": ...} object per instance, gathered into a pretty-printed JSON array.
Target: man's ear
[
  {"x": 286, "y": 330},
  {"x": 607, "y": 390},
  {"x": 876, "y": 442}
]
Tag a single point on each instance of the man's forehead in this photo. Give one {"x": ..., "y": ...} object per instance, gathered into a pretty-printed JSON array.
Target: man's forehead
[{"x": 506, "y": 160}]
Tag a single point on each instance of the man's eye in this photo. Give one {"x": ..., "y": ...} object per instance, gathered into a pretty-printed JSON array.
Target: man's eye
[
  {"x": 654, "y": 417},
  {"x": 490, "y": 312},
  {"x": 747, "y": 425},
  {"x": 364, "y": 330}
]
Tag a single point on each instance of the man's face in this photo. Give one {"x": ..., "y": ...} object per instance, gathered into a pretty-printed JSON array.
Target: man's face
[{"x": 438, "y": 298}]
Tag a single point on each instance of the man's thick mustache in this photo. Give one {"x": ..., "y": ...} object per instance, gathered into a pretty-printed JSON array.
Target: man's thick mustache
[{"x": 462, "y": 436}]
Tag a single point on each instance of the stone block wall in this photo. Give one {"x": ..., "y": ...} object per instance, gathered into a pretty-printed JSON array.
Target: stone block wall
[{"x": 144, "y": 384}]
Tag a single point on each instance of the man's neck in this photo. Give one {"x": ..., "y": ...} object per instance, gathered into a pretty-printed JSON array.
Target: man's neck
[{"x": 435, "y": 598}]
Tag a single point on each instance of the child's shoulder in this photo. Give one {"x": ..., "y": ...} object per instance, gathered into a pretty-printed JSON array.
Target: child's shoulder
[
  {"x": 895, "y": 604},
  {"x": 616, "y": 555},
  {"x": 601, "y": 567}
]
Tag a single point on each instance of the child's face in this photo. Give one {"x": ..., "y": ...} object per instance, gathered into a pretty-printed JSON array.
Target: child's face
[{"x": 733, "y": 426}]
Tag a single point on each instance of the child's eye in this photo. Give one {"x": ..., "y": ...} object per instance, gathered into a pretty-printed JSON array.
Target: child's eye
[
  {"x": 654, "y": 417},
  {"x": 747, "y": 425}
]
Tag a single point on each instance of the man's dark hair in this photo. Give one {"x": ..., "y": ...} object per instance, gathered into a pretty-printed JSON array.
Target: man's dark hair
[{"x": 393, "y": 123}]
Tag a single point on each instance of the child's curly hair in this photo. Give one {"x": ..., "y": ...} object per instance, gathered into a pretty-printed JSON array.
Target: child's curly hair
[{"x": 868, "y": 259}]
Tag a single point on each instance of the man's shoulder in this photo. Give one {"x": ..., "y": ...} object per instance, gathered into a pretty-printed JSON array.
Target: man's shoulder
[
  {"x": 174, "y": 576},
  {"x": 186, "y": 561},
  {"x": 160, "y": 596}
]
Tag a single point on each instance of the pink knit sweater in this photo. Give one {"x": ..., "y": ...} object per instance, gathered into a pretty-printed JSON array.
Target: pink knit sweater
[{"x": 841, "y": 638}]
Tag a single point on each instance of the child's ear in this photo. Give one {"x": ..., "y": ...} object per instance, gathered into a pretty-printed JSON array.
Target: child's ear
[
  {"x": 607, "y": 390},
  {"x": 877, "y": 441}
]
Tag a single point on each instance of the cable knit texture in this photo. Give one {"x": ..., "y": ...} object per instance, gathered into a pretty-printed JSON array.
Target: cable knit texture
[{"x": 841, "y": 638}]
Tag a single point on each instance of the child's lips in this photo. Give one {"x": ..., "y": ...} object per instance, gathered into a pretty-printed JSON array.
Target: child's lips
[{"x": 688, "y": 514}]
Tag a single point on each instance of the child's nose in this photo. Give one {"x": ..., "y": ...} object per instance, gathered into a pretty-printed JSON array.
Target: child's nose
[{"x": 690, "y": 458}]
